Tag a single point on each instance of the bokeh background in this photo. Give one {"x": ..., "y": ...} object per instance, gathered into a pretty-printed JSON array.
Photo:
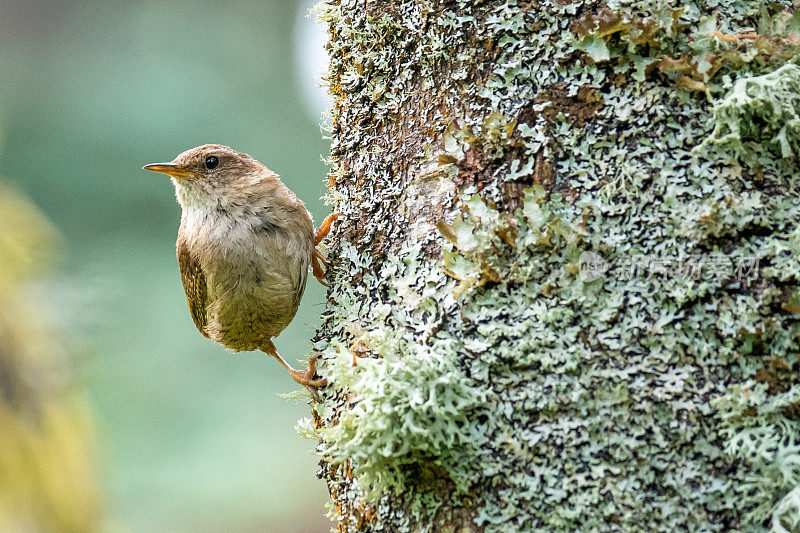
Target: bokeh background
[{"x": 181, "y": 435}]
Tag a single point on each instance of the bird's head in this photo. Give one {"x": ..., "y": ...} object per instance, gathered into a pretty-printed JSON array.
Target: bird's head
[{"x": 213, "y": 174}]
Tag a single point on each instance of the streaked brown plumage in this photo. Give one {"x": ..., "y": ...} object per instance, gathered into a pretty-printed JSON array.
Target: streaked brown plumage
[{"x": 244, "y": 248}]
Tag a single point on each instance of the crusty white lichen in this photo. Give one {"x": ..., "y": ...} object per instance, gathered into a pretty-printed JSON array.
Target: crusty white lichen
[{"x": 478, "y": 376}]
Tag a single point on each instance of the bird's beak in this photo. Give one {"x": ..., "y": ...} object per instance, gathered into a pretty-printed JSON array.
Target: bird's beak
[{"x": 170, "y": 169}]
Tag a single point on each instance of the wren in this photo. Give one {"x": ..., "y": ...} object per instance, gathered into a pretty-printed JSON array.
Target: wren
[{"x": 245, "y": 245}]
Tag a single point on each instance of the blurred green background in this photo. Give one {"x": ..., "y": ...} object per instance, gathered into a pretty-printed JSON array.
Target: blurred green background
[{"x": 191, "y": 438}]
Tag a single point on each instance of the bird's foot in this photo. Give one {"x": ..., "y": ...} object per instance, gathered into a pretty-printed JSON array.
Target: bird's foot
[
  {"x": 317, "y": 262},
  {"x": 325, "y": 227},
  {"x": 303, "y": 377},
  {"x": 317, "y": 259},
  {"x": 306, "y": 378}
]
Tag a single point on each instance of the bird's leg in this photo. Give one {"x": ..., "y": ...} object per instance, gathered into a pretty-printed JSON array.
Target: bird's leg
[
  {"x": 325, "y": 227},
  {"x": 316, "y": 267},
  {"x": 317, "y": 257},
  {"x": 303, "y": 377}
]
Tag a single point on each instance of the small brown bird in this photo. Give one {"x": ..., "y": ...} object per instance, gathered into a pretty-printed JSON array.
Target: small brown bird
[{"x": 244, "y": 248}]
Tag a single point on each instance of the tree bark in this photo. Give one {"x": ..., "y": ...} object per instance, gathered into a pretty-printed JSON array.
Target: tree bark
[{"x": 565, "y": 296}]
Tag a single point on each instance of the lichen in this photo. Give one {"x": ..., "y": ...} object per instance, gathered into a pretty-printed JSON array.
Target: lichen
[
  {"x": 478, "y": 374},
  {"x": 411, "y": 398},
  {"x": 642, "y": 38},
  {"x": 760, "y": 114}
]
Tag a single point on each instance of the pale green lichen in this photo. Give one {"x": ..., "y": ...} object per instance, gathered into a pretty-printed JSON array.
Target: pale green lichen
[
  {"x": 411, "y": 398},
  {"x": 495, "y": 378},
  {"x": 649, "y": 37},
  {"x": 760, "y": 114}
]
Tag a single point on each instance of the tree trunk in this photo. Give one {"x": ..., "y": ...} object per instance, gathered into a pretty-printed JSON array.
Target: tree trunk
[{"x": 566, "y": 293}]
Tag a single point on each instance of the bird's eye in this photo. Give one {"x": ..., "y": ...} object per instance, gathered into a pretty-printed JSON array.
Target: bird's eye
[{"x": 212, "y": 162}]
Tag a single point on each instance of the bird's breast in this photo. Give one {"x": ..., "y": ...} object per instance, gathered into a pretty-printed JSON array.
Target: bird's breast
[
  {"x": 219, "y": 231},
  {"x": 255, "y": 272}
]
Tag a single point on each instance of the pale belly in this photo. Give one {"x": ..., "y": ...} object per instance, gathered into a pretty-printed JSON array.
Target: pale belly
[
  {"x": 255, "y": 273},
  {"x": 251, "y": 301}
]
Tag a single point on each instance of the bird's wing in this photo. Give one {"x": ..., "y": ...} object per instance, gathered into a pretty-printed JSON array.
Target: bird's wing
[
  {"x": 285, "y": 251},
  {"x": 300, "y": 284},
  {"x": 194, "y": 283}
]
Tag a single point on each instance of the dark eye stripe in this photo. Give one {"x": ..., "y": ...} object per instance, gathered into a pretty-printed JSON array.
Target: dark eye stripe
[{"x": 212, "y": 162}]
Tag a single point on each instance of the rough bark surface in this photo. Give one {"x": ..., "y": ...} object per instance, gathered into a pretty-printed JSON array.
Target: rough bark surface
[{"x": 566, "y": 293}]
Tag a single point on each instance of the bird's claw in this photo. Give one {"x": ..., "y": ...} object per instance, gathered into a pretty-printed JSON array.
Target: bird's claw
[
  {"x": 316, "y": 266},
  {"x": 325, "y": 227},
  {"x": 318, "y": 261},
  {"x": 306, "y": 378}
]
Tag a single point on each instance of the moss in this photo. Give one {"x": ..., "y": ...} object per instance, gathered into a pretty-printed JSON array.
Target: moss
[{"x": 498, "y": 383}]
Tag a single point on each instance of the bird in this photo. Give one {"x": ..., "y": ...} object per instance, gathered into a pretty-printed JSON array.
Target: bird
[{"x": 244, "y": 248}]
